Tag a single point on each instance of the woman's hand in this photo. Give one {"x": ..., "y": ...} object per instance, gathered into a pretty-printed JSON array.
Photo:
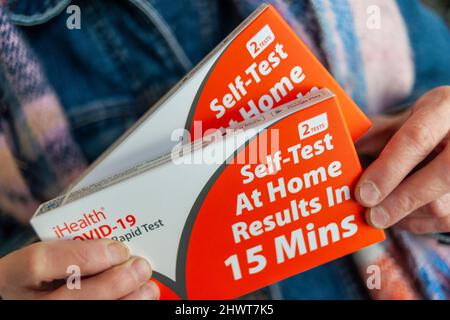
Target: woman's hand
[
  {"x": 409, "y": 183},
  {"x": 39, "y": 271}
]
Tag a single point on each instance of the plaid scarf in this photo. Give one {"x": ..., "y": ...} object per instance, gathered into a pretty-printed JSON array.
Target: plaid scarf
[{"x": 38, "y": 156}]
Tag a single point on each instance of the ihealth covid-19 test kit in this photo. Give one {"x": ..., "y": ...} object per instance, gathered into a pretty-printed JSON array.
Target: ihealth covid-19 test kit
[{"x": 261, "y": 187}]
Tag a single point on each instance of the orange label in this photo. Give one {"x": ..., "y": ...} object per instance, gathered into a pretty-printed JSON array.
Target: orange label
[
  {"x": 256, "y": 224},
  {"x": 265, "y": 66}
]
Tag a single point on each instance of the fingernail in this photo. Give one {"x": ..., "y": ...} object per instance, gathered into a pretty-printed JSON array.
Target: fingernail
[
  {"x": 149, "y": 291},
  {"x": 118, "y": 252},
  {"x": 378, "y": 217},
  {"x": 142, "y": 269},
  {"x": 369, "y": 193}
]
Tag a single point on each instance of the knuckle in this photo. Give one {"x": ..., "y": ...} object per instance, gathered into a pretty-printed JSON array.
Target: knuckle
[
  {"x": 437, "y": 96},
  {"x": 402, "y": 205},
  {"x": 87, "y": 255},
  {"x": 437, "y": 209},
  {"x": 124, "y": 280},
  {"x": 421, "y": 138},
  {"x": 81, "y": 256},
  {"x": 36, "y": 257}
]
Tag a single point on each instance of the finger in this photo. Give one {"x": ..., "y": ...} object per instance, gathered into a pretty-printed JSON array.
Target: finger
[
  {"x": 437, "y": 209},
  {"x": 148, "y": 291},
  {"x": 425, "y": 225},
  {"x": 113, "y": 283},
  {"x": 48, "y": 261},
  {"x": 421, "y": 133},
  {"x": 421, "y": 188},
  {"x": 383, "y": 128}
]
